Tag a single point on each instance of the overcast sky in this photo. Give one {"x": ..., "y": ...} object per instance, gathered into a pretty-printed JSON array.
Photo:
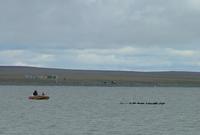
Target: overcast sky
[{"x": 138, "y": 35}]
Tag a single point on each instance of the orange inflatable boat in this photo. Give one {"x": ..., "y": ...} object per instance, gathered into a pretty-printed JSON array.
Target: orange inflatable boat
[{"x": 39, "y": 97}]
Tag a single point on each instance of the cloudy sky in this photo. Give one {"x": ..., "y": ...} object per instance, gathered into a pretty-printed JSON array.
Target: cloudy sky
[{"x": 138, "y": 35}]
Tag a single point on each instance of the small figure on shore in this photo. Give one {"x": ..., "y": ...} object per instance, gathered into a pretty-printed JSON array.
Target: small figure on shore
[{"x": 35, "y": 93}]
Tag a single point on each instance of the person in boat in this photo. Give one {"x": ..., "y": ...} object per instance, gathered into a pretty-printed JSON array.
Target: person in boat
[
  {"x": 43, "y": 94},
  {"x": 35, "y": 93}
]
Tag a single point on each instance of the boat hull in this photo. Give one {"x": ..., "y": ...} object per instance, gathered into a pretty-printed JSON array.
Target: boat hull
[{"x": 38, "y": 97}]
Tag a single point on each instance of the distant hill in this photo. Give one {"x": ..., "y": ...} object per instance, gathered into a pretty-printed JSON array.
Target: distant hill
[{"x": 18, "y": 75}]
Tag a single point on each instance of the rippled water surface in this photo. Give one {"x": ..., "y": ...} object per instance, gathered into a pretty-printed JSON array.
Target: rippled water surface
[{"x": 97, "y": 111}]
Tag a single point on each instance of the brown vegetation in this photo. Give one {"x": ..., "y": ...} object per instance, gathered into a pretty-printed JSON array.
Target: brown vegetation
[{"x": 11, "y": 75}]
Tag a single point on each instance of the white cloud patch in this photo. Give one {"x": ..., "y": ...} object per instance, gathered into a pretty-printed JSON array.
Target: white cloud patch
[
  {"x": 126, "y": 58},
  {"x": 184, "y": 53},
  {"x": 24, "y": 58},
  {"x": 130, "y": 58}
]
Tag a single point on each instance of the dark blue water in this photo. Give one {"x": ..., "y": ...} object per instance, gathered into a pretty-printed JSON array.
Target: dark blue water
[{"x": 97, "y": 111}]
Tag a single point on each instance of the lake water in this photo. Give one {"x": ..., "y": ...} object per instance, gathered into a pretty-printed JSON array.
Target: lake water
[{"x": 97, "y": 111}]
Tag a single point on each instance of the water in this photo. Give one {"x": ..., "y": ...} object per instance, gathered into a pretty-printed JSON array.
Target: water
[{"x": 97, "y": 111}]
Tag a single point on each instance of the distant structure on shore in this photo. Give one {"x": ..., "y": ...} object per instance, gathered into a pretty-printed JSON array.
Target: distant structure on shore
[
  {"x": 41, "y": 77},
  {"x": 16, "y": 75}
]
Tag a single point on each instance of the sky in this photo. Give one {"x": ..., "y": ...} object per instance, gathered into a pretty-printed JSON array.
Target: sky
[{"x": 127, "y": 35}]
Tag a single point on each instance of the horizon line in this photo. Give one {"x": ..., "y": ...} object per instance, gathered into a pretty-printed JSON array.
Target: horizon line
[{"x": 79, "y": 69}]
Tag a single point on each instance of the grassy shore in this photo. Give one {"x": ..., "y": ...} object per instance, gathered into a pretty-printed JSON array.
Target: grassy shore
[{"x": 13, "y": 75}]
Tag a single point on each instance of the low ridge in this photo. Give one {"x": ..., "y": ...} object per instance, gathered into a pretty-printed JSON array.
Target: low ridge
[{"x": 22, "y": 75}]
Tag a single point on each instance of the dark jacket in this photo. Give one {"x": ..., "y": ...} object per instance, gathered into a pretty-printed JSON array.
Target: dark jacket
[{"x": 35, "y": 93}]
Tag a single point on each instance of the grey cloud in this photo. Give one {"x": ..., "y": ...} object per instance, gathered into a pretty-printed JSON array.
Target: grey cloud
[{"x": 98, "y": 24}]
